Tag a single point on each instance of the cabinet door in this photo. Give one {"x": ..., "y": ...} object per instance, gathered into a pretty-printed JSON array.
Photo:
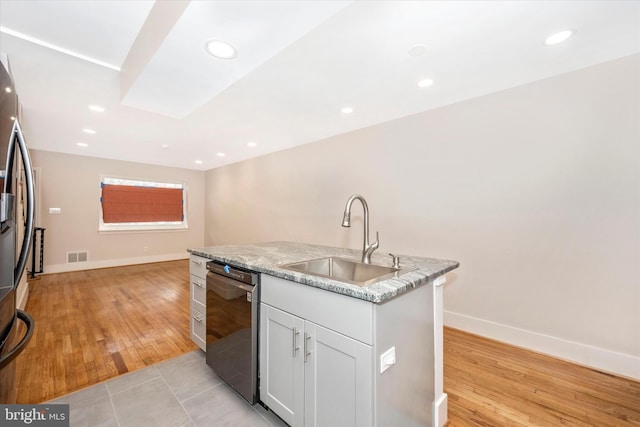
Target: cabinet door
[
  {"x": 338, "y": 379},
  {"x": 282, "y": 364}
]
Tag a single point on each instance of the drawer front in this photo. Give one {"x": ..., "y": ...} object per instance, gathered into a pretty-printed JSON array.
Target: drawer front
[
  {"x": 198, "y": 266},
  {"x": 349, "y": 316},
  {"x": 198, "y": 326},
  {"x": 198, "y": 289}
]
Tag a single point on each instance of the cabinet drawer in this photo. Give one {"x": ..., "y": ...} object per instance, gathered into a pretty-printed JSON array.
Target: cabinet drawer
[
  {"x": 198, "y": 289},
  {"x": 198, "y": 266},
  {"x": 349, "y": 316},
  {"x": 198, "y": 326}
]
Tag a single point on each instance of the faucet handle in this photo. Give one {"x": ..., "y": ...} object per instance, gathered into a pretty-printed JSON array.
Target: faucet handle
[
  {"x": 396, "y": 261},
  {"x": 367, "y": 250}
]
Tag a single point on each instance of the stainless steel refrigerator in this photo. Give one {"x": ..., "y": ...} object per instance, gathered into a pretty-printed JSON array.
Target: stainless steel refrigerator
[{"x": 14, "y": 248}]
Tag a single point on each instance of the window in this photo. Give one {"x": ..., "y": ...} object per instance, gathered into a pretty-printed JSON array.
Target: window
[{"x": 141, "y": 205}]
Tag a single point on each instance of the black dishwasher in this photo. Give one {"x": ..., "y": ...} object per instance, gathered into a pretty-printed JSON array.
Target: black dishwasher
[{"x": 232, "y": 326}]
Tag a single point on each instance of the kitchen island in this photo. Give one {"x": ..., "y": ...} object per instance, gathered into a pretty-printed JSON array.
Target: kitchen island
[
  {"x": 268, "y": 257},
  {"x": 337, "y": 353}
]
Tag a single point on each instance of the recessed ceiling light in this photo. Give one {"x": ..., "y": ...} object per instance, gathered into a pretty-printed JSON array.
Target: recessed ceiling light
[
  {"x": 252, "y": 144},
  {"x": 165, "y": 146},
  {"x": 89, "y": 131},
  {"x": 417, "y": 50},
  {"x": 82, "y": 144},
  {"x": 220, "y": 49},
  {"x": 425, "y": 83},
  {"x": 347, "y": 110},
  {"x": 7, "y": 89},
  {"x": 198, "y": 162},
  {"x": 96, "y": 108},
  {"x": 220, "y": 154},
  {"x": 559, "y": 37}
]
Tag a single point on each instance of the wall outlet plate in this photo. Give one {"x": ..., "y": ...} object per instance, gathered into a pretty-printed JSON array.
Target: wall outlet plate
[{"x": 387, "y": 359}]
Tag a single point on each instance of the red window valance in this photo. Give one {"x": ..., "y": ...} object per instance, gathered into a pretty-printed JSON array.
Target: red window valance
[{"x": 126, "y": 203}]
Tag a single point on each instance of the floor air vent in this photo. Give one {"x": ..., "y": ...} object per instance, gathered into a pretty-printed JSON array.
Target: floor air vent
[{"x": 77, "y": 257}]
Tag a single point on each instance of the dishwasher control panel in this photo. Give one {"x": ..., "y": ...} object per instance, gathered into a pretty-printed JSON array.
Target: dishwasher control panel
[{"x": 234, "y": 273}]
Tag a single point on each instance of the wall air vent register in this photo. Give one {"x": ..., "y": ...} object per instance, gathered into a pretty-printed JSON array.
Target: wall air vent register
[{"x": 82, "y": 256}]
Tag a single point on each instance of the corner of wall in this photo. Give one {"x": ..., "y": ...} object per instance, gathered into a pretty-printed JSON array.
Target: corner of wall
[
  {"x": 22, "y": 294},
  {"x": 592, "y": 357}
]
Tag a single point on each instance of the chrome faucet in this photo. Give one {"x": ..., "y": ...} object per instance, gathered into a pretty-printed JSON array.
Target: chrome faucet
[{"x": 367, "y": 249}]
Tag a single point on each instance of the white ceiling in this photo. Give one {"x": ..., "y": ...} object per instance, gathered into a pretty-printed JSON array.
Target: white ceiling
[{"x": 298, "y": 64}]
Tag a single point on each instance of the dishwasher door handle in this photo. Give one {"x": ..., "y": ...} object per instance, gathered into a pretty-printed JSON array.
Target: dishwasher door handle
[{"x": 213, "y": 278}]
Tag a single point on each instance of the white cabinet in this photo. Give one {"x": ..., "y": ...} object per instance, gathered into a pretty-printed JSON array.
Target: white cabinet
[
  {"x": 337, "y": 386},
  {"x": 347, "y": 378},
  {"x": 282, "y": 364},
  {"x": 198, "y": 286},
  {"x": 311, "y": 375}
]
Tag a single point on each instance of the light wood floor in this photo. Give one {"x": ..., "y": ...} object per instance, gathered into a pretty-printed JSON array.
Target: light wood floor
[
  {"x": 95, "y": 325},
  {"x": 494, "y": 384}
]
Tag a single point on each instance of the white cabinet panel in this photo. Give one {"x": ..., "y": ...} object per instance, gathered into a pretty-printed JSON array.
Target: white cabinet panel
[
  {"x": 282, "y": 364},
  {"x": 350, "y": 316},
  {"x": 198, "y": 266},
  {"x": 338, "y": 379},
  {"x": 198, "y": 325},
  {"x": 311, "y": 375},
  {"x": 198, "y": 290}
]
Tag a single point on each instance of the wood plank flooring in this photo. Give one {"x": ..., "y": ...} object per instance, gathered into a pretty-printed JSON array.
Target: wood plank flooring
[
  {"x": 494, "y": 384},
  {"x": 95, "y": 325}
]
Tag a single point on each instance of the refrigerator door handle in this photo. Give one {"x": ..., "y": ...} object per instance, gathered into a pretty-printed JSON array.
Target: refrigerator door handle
[
  {"x": 16, "y": 136},
  {"x": 28, "y": 321}
]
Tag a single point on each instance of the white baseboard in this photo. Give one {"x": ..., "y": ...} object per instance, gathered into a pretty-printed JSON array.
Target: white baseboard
[
  {"x": 440, "y": 411},
  {"x": 597, "y": 358},
  {"x": 90, "y": 265}
]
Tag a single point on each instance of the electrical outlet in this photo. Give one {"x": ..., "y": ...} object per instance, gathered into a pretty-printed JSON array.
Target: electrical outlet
[
  {"x": 55, "y": 211},
  {"x": 387, "y": 359}
]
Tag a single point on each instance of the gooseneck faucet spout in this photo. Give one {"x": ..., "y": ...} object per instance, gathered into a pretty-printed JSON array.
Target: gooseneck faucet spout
[{"x": 367, "y": 249}]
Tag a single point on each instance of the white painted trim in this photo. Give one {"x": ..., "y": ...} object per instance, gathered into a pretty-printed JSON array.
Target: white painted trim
[
  {"x": 90, "y": 265},
  {"x": 593, "y": 357},
  {"x": 440, "y": 410},
  {"x": 23, "y": 295}
]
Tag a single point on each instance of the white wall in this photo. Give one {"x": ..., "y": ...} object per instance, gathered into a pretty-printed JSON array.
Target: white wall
[
  {"x": 72, "y": 183},
  {"x": 535, "y": 190}
]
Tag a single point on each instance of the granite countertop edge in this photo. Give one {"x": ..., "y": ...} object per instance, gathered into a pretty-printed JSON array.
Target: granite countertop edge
[{"x": 268, "y": 257}]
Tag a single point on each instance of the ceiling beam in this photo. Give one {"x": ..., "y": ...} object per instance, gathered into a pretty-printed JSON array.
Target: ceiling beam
[{"x": 163, "y": 17}]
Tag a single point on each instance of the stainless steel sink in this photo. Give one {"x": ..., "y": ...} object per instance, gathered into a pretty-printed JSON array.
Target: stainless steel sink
[{"x": 345, "y": 270}]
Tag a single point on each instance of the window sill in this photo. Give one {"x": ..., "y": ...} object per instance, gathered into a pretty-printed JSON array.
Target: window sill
[{"x": 120, "y": 229}]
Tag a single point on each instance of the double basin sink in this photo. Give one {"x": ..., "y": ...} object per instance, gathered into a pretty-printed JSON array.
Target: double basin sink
[{"x": 345, "y": 270}]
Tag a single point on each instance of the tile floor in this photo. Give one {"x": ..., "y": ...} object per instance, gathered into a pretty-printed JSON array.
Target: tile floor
[{"x": 181, "y": 392}]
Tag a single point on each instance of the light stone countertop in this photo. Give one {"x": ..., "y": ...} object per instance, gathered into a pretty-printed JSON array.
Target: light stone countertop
[{"x": 267, "y": 257}]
